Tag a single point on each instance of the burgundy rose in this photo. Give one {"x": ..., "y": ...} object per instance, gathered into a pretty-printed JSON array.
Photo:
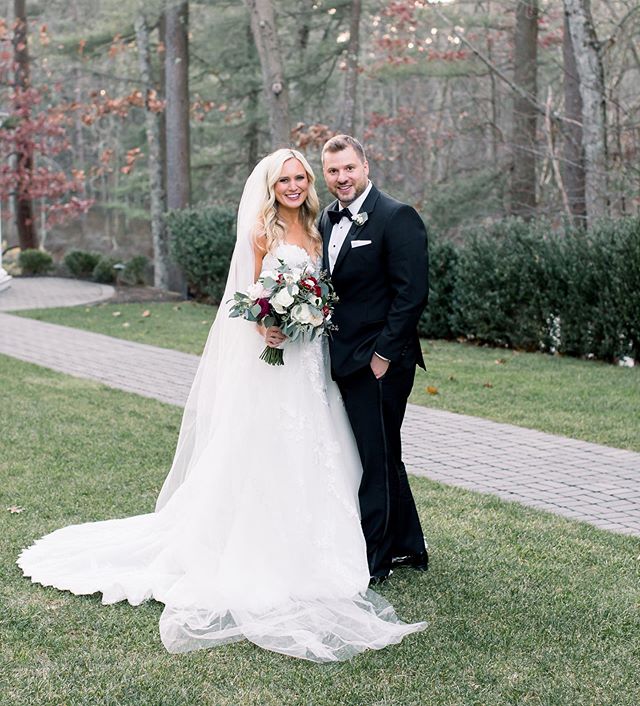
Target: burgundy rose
[{"x": 264, "y": 307}]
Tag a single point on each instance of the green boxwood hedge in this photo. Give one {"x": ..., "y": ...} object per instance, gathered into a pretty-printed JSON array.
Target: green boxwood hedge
[
  {"x": 524, "y": 285},
  {"x": 202, "y": 241}
]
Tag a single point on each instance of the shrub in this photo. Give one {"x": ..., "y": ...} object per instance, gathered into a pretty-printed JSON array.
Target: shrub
[
  {"x": 135, "y": 270},
  {"x": 35, "y": 262},
  {"x": 81, "y": 264},
  {"x": 505, "y": 275},
  {"x": 526, "y": 286},
  {"x": 437, "y": 319},
  {"x": 599, "y": 311},
  {"x": 202, "y": 242},
  {"x": 103, "y": 272}
]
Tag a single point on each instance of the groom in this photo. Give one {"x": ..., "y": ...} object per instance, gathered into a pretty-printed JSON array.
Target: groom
[{"x": 376, "y": 251}]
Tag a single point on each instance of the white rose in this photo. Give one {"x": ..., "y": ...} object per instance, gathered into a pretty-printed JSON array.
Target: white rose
[
  {"x": 303, "y": 314},
  {"x": 296, "y": 273},
  {"x": 316, "y": 320},
  {"x": 282, "y": 301},
  {"x": 295, "y": 289},
  {"x": 289, "y": 278},
  {"x": 257, "y": 291},
  {"x": 316, "y": 301}
]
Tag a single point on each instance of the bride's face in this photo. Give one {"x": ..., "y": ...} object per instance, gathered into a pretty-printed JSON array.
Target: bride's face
[{"x": 292, "y": 186}]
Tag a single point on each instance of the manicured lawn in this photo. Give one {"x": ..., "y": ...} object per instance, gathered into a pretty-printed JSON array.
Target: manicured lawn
[
  {"x": 582, "y": 399},
  {"x": 578, "y": 398},
  {"x": 524, "y": 607},
  {"x": 182, "y": 326}
]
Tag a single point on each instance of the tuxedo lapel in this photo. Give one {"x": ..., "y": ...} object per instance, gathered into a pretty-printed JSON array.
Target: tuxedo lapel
[
  {"x": 327, "y": 227},
  {"x": 367, "y": 207}
]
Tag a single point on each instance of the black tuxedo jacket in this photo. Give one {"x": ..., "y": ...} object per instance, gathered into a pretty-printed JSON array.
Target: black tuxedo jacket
[{"x": 382, "y": 285}]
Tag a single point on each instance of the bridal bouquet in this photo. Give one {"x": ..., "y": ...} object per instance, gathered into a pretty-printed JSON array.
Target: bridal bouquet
[{"x": 296, "y": 300}]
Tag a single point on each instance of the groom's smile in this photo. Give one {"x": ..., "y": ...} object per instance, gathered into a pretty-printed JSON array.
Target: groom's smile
[{"x": 346, "y": 174}]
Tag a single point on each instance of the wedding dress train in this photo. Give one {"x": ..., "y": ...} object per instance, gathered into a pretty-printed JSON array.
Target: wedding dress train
[{"x": 261, "y": 538}]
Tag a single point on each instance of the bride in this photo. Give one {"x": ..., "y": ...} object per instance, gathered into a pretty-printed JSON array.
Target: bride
[{"x": 256, "y": 532}]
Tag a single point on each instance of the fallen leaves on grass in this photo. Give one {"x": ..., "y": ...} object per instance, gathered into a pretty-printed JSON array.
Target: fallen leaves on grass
[
  {"x": 116, "y": 313},
  {"x": 500, "y": 361},
  {"x": 15, "y": 509},
  {"x": 432, "y": 390},
  {"x": 126, "y": 324},
  {"x": 146, "y": 313},
  {"x": 488, "y": 385}
]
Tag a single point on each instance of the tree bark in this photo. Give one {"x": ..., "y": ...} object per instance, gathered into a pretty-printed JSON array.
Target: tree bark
[
  {"x": 154, "y": 159},
  {"x": 162, "y": 92},
  {"x": 252, "y": 134},
  {"x": 523, "y": 184},
  {"x": 25, "y": 222},
  {"x": 572, "y": 153},
  {"x": 351, "y": 76},
  {"x": 177, "y": 118},
  {"x": 263, "y": 26},
  {"x": 590, "y": 73}
]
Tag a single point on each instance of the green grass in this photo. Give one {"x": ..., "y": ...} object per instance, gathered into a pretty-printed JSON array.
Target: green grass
[
  {"x": 181, "y": 326},
  {"x": 525, "y": 608},
  {"x": 582, "y": 399}
]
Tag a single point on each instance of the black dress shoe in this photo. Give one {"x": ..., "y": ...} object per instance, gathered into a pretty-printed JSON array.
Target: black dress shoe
[
  {"x": 381, "y": 578},
  {"x": 419, "y": 561}
]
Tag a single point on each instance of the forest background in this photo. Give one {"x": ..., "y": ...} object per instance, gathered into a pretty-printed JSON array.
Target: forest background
[{"x": 114, "y": 111}]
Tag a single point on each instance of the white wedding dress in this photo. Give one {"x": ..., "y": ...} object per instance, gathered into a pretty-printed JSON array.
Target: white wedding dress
[{"x": 261, "y": 537}]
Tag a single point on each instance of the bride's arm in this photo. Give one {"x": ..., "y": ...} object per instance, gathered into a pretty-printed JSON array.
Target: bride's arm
[
  {"x": 273, "y": 336},
  {"x": 259, "y": 251}
]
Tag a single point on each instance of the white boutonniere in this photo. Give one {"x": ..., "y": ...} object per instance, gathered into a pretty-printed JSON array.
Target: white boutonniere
[{"x": 361, "y": 218}]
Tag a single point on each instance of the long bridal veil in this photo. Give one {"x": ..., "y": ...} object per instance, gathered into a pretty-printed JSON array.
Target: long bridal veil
[{"x": 227, "y": 339}]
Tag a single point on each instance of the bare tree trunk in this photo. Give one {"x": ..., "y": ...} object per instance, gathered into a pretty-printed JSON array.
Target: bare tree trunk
[
  {"x": 590, "y": 72},
  {"x": 493, "y": 126},
  {"x": 573, "y": 154},
  {"x": 177, "y": 118},
  {"x": 162, "y": 92},
  {"x": 25, "y": 222},
  {"x": 304, "y": 28},
  {"x": 252, "y": 134},
  {"x": 523, "y": 185},
  {"x": 351, "y": 77},
  {"x": 263, "y": 26},
  {"x": 154, "y": 158}
]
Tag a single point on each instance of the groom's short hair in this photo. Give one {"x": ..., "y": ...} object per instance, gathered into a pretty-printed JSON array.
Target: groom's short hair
[{"x": 341, "y": 142}]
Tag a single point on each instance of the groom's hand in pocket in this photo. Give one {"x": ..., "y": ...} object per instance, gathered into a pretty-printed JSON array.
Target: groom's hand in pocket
[{"x": 379, "y": 366}]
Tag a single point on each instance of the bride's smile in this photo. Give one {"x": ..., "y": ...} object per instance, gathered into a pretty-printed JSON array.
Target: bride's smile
[{"x": 293, "y": 185}]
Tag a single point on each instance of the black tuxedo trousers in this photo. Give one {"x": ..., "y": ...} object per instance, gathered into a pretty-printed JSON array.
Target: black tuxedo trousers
[{"x": 376, "y": 409}]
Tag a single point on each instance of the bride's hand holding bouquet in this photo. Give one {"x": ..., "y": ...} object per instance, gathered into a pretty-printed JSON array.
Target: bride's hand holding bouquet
[{"x": 298, "y": 301}]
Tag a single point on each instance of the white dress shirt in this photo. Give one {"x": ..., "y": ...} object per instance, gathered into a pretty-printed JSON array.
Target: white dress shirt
[{"x": 340, "y": 230}]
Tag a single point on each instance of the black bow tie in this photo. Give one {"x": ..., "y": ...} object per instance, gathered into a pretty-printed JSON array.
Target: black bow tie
[{"x": 337, "y": 216}]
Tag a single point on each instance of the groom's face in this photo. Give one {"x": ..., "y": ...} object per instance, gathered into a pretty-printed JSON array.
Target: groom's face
[{"x": 346, "y": 174}]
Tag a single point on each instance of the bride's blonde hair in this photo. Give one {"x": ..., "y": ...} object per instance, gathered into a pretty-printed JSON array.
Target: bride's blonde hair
[{"x": 270, "y": 226}]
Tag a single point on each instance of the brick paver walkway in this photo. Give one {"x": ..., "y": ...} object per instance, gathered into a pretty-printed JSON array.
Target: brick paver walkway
[
  {"x": 589, "y": 482},
  {"x": 41, "y": 292}
]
